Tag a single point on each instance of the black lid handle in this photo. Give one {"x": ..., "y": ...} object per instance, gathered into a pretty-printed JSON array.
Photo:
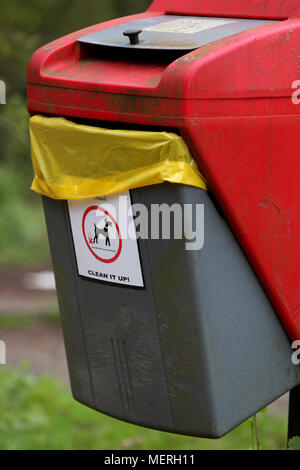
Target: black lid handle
[{"x": 133, "y": 35}]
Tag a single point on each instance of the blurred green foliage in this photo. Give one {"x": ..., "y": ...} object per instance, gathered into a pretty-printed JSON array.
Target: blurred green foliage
[
  {"x": 16, "y": 321},
  {"x": 294, "y": 443},
  {"x": 24, "y": 27}
]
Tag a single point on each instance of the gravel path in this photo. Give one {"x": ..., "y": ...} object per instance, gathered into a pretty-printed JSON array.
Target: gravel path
[
  {"x": 40, "y": 344},
  {"x": 26, "y": 292}
]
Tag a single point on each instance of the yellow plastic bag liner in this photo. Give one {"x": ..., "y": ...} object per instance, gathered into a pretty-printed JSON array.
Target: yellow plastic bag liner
[{"x": 73, "y": 161}]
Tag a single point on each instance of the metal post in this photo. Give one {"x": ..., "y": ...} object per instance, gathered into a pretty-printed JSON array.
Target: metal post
[{"x": 294, "y": 413}]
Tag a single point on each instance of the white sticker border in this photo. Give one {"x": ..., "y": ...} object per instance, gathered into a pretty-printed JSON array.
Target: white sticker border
[{"x": 95, "y": 278}]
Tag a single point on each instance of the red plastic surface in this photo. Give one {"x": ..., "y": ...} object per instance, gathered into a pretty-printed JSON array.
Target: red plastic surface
[
  {"x": 231, "y": 101},
  {"x": 267, "y": 9}
]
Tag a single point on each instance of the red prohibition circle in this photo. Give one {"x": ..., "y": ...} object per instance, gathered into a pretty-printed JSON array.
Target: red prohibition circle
[{"x": 94, "y": 208}]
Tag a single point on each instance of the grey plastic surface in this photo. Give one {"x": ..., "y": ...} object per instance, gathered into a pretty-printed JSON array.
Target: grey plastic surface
[
  {"x": 162, "y": 33},
  {"x": 197, "y": 352}
]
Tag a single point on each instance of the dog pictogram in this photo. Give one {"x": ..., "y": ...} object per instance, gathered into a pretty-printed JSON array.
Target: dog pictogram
[{"x": 104, "y": 231}]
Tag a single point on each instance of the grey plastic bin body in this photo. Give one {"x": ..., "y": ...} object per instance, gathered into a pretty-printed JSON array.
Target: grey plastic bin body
[{"x": 197, "y": 351}]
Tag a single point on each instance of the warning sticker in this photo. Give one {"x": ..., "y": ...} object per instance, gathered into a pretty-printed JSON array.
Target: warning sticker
[
  {"x": 188, "y": 25},
  {"x": 105, "y": 239}
]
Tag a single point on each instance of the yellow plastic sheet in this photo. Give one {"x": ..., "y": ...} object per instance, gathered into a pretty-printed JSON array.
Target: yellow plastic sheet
[{"x": 73, "y": 161}]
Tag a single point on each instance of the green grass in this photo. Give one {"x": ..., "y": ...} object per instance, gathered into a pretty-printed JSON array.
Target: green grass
[
  {"x": 51, "y": 315},
  {"x": 15, "y": 321},
  {"x": 38, "y": 413}
]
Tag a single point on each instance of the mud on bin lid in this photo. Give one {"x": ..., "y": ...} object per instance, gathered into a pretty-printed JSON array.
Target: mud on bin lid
[{"x": 170, "y": 32}]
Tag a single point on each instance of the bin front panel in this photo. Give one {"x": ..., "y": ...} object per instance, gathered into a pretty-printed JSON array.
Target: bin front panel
[{"x": 197, "y": 351}]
